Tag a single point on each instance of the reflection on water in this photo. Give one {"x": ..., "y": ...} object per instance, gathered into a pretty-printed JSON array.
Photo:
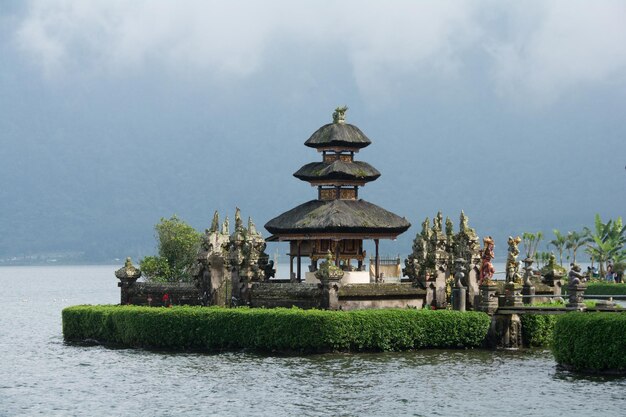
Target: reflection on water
[{"x": 42, "y": 375}]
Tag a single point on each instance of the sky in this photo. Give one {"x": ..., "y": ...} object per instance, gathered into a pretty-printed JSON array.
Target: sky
[{"x": 114, "y": 114}]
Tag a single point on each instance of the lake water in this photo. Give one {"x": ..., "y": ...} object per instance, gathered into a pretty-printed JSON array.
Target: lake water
[{"x": 41, "y": 375}]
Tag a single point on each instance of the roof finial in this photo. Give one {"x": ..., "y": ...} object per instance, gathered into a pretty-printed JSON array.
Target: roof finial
[{"x": 339, "y": 116}]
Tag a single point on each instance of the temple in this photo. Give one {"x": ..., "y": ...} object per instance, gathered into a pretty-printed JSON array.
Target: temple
[{"x": 337, "y": 221}]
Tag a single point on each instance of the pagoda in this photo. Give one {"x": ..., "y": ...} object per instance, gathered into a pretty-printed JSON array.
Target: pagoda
[{"x": 337, "y": 221}]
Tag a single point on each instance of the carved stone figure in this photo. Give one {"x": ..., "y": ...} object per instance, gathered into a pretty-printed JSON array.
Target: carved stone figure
[
  {"x": 437, "y": 222},
  {"x": 512, "y": 265},
  {"x": 339, "y": 115},
  {"x": 576, "y": 288},
  {"x": 486, "y": 269}
]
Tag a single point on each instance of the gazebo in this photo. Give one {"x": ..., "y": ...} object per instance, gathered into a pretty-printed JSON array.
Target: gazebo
[{"x": 337, "y": 221}]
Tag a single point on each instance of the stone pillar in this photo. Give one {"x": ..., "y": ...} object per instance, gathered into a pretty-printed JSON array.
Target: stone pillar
[
  {"x": 505, "y": 332},
  {"x": 440, "y": 285},
  {"x": 330, "y": 280},
  {"x": 473, "y": 293},
  {"x": 431, "y": 293},
  {"x": 458, "y": 298},
  {"x": 512, "y": 296},
  {"x": 127, "y": 275},
  {"x": 528, "y": 289},
  {"x": 459, "y": 292},
  {"x": 488, "y": 299},
  {"x": 299, "y": 275},
  {"x": 377, "y": 265},
  {"x": 576, "y": 291}
]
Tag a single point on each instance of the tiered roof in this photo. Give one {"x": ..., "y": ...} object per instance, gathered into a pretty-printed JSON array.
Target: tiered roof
[{"x": 337, "y": 213}]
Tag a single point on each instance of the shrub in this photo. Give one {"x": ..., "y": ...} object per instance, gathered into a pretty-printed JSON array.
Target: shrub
[
  {"x": 605, "y": 288},
  {"x": 278, "y": 329},
  {"x": 591, "y": 341},
  {"x": 537, "y": 329}
]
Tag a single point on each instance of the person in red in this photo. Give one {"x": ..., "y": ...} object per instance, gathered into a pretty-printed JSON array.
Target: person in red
[{"x": 166, "y": 300}]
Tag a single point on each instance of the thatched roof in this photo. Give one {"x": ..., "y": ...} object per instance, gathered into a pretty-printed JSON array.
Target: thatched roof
[
  {"x": 338, "y": 216},
  {"x": 337, "y": 170},
  {"x": 338, "y": 135}
]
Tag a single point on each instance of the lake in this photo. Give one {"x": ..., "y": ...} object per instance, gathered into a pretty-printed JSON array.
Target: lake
[{"x": 41, "y": 375}]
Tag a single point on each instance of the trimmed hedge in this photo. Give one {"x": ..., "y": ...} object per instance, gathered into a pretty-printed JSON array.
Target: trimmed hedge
[
  {"x": 279, "y": 329},
  {"x": 537, "y": 329},
  {"x": 605, "y": 288},
  {"x": 591, "y": 342}
]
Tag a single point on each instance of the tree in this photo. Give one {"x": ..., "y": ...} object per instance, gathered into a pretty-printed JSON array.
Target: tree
[
  {"x": 531, "y": 243},
  {"x": 559, "y": 242},
  {"x": 178, "y": 245},
  {"x": 605, "y": 241},
  {"x": 574, "y": 241}
]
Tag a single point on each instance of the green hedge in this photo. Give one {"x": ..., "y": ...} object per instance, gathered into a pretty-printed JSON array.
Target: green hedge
[
  {"x": 605, "y": 288},
  {"x": 537, "y": 329},
  {"x": 591, "y": 341},
  {"x": 280, "y": 329}
]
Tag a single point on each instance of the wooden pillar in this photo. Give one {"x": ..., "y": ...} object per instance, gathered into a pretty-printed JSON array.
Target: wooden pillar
[
  {"x": 299, "y": 277},
  {"x": 377, "y": 260},
  {"x": 337, "y": 253},
  {"x": 290, "y": 267}
]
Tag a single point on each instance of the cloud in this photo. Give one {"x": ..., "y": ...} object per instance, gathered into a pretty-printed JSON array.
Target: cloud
[
  {"x": 558, "y": 46},
  {"x": 538, "y": 49}
]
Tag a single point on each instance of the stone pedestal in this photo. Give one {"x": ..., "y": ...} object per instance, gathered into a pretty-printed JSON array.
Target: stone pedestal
[
  {"x": 127, "y": 275},
  {"x": 512, "y": 295},
  {"x": 440, "y": 285},
  {"x": 458, "y": 298},
  {"x": 488, "y": 299},
  {"x": 505, "y": 332},
  {"x": 576, "y": 291},
  {"x": 330, "y": 291},
  {"x": 431, "y": 293},
  {"x": 528, "y": 290},
  {"x": 329, "y": 276},
  {"x": 473, "y": 293}
]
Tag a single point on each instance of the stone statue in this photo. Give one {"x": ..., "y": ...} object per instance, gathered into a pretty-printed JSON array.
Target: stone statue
[
  {"x": 226, "y": 227},
  {"x": 487, "y": 270},
  {"x": 575, "y": 276},
  {"x": 437, "y": 222},
  {"x": 339, "y": 116},
  {"x": 459, "y": 274},
  {"x": 512, "y": 265}
]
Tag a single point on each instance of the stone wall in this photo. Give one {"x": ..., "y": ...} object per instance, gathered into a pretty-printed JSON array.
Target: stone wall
[
  {"x": 270, "y": 295},
  {"x": 362, "y": 296},
  {"x": 152, "y": 293}
]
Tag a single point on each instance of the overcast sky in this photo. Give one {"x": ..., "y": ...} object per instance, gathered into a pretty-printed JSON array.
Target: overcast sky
[{"x": 513, "y": 111}]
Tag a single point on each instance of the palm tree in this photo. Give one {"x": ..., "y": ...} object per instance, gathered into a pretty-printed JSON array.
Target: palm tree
[
  {"x": 559, "y": 243},
  {"x": 574, "y": 241},
  {"x": 606, "y": 241},
  {"x": 531, "y": 242}
]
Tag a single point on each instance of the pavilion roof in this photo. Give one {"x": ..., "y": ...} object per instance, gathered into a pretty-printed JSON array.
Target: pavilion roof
[
  {"x": 338, "y": 216},
  {"x": 337, "y": 170},
  {"x": 343, "y": 135}
]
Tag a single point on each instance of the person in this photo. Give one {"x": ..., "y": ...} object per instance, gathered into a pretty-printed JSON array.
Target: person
[
  {"x": 167, "y": 302},
  {"x": 610, "y": 276}
]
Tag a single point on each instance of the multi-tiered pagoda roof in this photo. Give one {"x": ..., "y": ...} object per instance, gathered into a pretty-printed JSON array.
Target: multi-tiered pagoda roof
[{"x": 337, "y": 212}]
